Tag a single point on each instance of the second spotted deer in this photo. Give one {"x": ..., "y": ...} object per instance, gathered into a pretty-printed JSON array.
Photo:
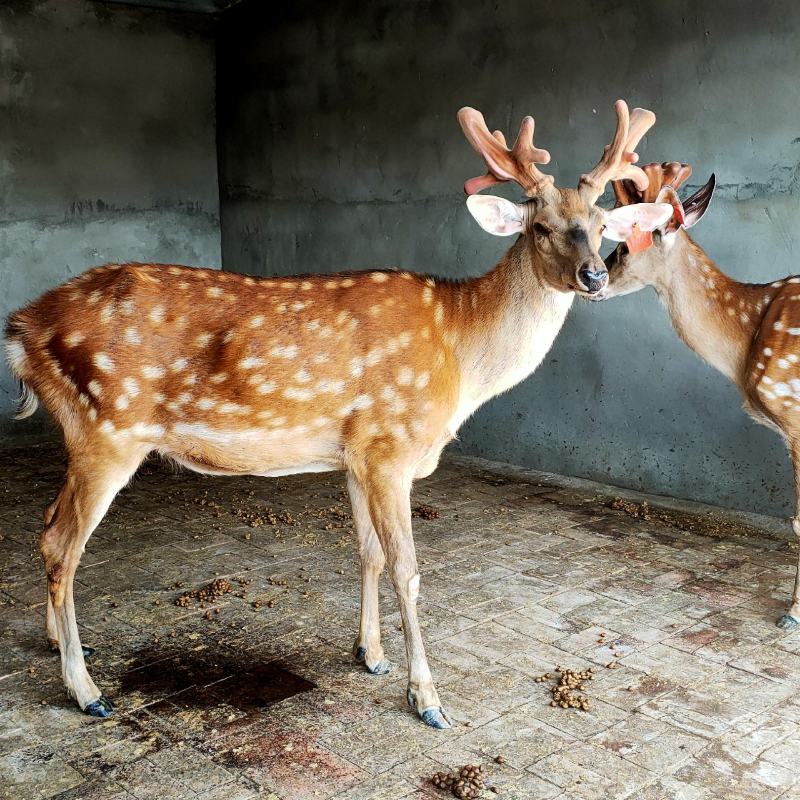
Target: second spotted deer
[
  {"x": 749, "y": 332},
  {"x": 371, "y": 373}
]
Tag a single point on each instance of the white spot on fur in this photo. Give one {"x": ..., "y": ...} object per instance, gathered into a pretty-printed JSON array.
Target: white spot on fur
[
  {"x": 251, "y": 362},
  {"x": 151, "y": 373},
  {"x": 781, "y": 389},
  {"x": 422, "y": 380},
  {"x": 267, "y": 387},
  {"x": 156, "y": 314},
  {"x": 179, "y": 365},
  {"x": 203, "y": 339},
  {"x": 122, "y": 402},
  {"x": 232, "y": 408},
  {"x": 257, "y": 322},
  {"x": 767, "y": 351},
  {"x": 132, "y": 336},
  {"x": 95, "y": 389},
  {"x": 302, "y": 376},
  {"x": 103, "y": 362},
  {"x": 218, "y": 377},
  {"x": 298, "y": 394},
  {"x": 206, "y": 403},
  {"x": 379, "y": 277},
  {"x": 289, "y": 351},
  {"x": 74, "y": 338},
  {"x": 214, "y": 291},
  {"x": 405, "y": 376},
  {"x": 127, "y": 307},
  {"x": 131, "y": 386},
  {"x": 330, "y": 387},
  {"x": 106, "y": 426},
  {"x": 427, "y": 296}
]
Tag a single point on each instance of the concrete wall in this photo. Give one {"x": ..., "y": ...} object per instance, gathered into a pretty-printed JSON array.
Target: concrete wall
[
  {"x": 339, "y": 148},
  {"x": 107, "y": 148}
]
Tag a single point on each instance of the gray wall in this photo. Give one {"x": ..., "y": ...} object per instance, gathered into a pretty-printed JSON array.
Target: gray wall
[
  {"x": 107, "y": 148},
  {"x": 339, "y": 148}
]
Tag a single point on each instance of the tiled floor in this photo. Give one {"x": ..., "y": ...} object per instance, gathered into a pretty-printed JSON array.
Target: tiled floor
[{"x": 518, "y": 577}]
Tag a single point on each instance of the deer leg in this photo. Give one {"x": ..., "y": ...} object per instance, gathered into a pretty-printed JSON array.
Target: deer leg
[
  {"x": 791, "y": 620},
  {"x": 388, "y": 494},
  {"x": 367, "y": 648},
  {"x": 86, "y": 496}
]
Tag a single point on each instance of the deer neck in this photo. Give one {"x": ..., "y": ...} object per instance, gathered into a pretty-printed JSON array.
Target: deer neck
[
  {"x": 715, "y": 315},
  {"x": 509, "y": 319}
]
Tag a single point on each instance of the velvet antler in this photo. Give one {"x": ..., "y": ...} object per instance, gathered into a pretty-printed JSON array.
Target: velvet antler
[
  {"x": 619, "y": 157},
  {"x": 517, "y": 164}
]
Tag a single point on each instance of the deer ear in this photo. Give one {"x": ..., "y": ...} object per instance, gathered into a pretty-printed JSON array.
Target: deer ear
[
  {"x": 623, "y": 222},
  {"x": 668, "y": 195},
  {"x": 695, "y": 206},
  {"x": 496, "y": 215}
]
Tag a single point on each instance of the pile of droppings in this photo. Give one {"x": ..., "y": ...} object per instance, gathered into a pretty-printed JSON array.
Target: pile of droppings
[
  {"x": 465, "y": 784},
  {"x": 566, "y": 693},
  {"x": 423, "y": 511},
  {"x": 216, "y": 589}
]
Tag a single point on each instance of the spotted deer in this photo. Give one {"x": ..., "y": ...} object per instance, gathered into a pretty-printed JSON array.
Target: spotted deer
[
  {"x": 367, "y": 372},
  {"x": 749, "y": 332}
]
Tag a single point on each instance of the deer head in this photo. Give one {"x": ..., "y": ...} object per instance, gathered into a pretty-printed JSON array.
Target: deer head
[
  {"x": 562, "y": 228},
  {"x": 640, "y": 259}
]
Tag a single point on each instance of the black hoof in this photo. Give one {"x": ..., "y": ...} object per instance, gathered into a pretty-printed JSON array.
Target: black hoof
[
  {"x": 381, "y": 668},
  {"x": 102, "y": 707},
  {"x": 436, "y": 718},
  {"x": 787, "y": 622}
]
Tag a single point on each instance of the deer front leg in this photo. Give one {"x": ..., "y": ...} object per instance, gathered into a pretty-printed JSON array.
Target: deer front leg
[
  {"x": 367, "y": 649},
  {"x": 791, "y": 620},
  {"x": 388, "y": 494}
]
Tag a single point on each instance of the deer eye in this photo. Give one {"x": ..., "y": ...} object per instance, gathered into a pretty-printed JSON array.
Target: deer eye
[{"x": 540, "y": 230}]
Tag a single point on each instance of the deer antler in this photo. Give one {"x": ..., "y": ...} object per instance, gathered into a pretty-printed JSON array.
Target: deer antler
[
  {"x": 619, "y": 157},
  {"x": 517, "y": 164},
  {"x": 668, "y": 173}
]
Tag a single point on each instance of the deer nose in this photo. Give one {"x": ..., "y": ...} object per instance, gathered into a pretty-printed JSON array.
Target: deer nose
[{"x": 593, "y": 278}]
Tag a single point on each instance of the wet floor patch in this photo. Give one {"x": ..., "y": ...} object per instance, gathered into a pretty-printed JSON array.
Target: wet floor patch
[{"x": 203, "y": 682}]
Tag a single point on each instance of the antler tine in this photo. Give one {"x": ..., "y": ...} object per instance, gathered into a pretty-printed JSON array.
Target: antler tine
[
  {"x": 619, "y": 157},
  {"x": 668, "y": 173},
  {"x": 517, "y": 164}
]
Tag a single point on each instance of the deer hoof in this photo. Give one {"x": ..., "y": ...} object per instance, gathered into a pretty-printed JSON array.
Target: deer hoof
[
  {"x": 87, "y": 651},
  {"x": 102, "y": 707},
  {"x": 381, "y": 667},
  {"x": 787, "y": 622},
  {"x": 434, "y": 716}
]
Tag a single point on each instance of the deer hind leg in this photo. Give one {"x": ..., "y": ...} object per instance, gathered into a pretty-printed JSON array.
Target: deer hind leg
[
  {"x": 88, "y": 491},
  {"x": 388, "y": 493},
  {"x": 791, "y": 620},
  {"x": 367, "y": 649},
  {"x": 50, "y": 620}
]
